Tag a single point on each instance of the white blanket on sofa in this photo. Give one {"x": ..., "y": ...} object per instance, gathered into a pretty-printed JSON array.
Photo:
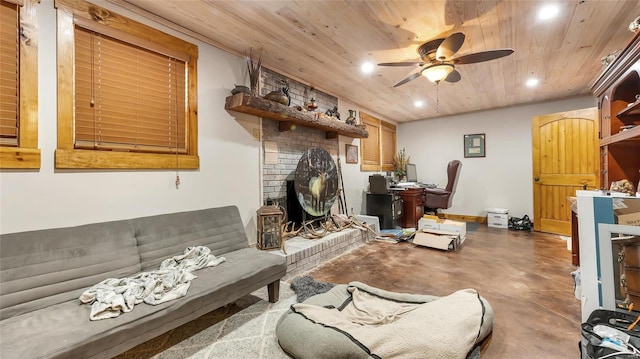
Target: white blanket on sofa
[
  {"x": 445, "y": 328},
  {"x": 113, "y": 296}
]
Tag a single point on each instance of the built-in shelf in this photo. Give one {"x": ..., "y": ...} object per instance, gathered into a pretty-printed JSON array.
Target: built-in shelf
[
  {"x": 632, "y": 109},
  {"x": 288, "y": 116},
  {"x": 632, "y": 134}
]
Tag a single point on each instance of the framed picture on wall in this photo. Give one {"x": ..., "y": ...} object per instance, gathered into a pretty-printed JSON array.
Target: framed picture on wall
[
  {"x": 351, "y": 153},
  {"x": 474, "y": 145}
]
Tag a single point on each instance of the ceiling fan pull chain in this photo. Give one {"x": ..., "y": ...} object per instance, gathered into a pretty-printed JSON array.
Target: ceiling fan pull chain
[{"x": 437, "y": 99}]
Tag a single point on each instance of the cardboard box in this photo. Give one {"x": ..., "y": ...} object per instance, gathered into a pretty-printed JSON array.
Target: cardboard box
[
  {"x": 629, "y": 216},
  {"x": 445, "y": 225},
  {"x": 429, "y": 223},
  {"x": 454, "y": 227},
  {"x": 438, "y": 239}
]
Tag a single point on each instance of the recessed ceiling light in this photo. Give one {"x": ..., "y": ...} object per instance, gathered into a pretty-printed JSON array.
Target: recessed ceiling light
[
  {"x": 367, "y": 67},
  {"x": 548, "y": 12},
  {"x": 418, "y": 103},
  {"x": 532, "y": 82}
]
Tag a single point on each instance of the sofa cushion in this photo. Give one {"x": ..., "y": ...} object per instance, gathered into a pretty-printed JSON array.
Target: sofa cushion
[
  {"x": 64, "y": 330},
  {"x": 45, "y": 267},
  {"x": 166, "y": 235}
]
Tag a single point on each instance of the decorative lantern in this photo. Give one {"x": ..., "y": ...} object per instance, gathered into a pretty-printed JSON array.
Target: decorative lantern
[{"x": 269, "y": 227}]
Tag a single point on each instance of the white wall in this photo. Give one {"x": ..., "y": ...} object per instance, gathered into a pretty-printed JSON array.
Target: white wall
[
  {"x": 229, "y": 156},
  {"x": 504, "y": 178}
]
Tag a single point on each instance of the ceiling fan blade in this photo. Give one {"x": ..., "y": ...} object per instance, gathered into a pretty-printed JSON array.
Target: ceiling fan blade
[
  {"x": 408, "y": 63},
  {"x": 410, "y": 78},
  {"x": 450, "y": 46},
  {"x": 482, "y": 56},
  {"x": 454, "y": 76}
]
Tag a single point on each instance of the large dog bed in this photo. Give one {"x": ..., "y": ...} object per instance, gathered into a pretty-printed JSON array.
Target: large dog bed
[{"x": 360, "y": 321}]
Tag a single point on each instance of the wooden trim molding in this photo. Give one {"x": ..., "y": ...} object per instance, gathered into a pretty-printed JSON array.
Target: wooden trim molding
[
  {"x": 66, "y": 155},
  {"x": 27, "y": 155}
]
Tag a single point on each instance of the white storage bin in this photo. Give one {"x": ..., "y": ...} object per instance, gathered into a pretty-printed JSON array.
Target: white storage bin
[{"x": 498, "y": 219}]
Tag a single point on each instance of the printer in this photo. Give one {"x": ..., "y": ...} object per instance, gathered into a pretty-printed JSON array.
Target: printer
[{"x": 379, "y": 184}]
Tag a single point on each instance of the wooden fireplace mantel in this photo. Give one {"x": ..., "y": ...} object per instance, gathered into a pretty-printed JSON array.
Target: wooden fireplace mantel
[{"x": 289, "y": 116}]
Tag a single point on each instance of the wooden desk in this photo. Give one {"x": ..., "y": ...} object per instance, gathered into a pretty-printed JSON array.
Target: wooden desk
[{"x": 412, "y": 206}]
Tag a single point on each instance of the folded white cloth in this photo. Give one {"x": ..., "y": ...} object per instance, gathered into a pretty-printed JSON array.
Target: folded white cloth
[{"x": 113, "y": 296}]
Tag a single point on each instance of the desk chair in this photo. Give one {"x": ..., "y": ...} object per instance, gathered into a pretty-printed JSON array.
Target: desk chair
[{"x": 441, "y": 198}]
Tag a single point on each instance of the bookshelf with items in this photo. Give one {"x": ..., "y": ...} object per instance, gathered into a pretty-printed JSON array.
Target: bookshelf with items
[{"x": 618, "y": 93}]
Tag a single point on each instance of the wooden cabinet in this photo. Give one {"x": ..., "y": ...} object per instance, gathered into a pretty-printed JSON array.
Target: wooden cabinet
[
  {"x": 412, "y": 205},
  {"x": 618, "y": 92}
]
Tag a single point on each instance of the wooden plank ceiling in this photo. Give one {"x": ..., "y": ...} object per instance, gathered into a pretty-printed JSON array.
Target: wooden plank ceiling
[{"x": 323, "y": 43}]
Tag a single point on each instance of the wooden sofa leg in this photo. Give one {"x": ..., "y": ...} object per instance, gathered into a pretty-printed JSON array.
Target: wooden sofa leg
[{"x": 274, "y": 291}]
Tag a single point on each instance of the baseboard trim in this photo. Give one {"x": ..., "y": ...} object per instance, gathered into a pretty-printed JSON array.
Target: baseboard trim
[{"x": 463, "y": 217}]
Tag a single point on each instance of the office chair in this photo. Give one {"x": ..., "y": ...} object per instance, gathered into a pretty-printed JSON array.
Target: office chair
[{"x": 441, "y": 198}]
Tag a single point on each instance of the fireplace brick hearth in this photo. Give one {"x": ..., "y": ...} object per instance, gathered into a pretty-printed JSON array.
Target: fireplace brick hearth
[{"x": 305, "y": 254}]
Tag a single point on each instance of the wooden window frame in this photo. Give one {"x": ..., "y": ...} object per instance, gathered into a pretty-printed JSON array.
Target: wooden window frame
[
  {"x": 70, "y": 12},
  {"x": 27, "y": 154},
  {"x": 376, "y": 128}
]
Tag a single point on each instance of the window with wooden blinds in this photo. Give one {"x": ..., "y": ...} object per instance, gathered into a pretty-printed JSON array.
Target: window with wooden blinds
[
  {"x": 387, "y": 145},
  {"x": 378, "y": 149},
  {"x": 9, "y": 74},
  {"x": 127, "y": 93},
  {"x": 19, "y": 84},
  {"x": 127, "y": 97},
  {"x": 370, "y": 146}
]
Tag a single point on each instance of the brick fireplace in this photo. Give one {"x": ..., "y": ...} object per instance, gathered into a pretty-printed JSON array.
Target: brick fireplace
[
  {"x": 294, "y": 143},
  {"x": 302, "y": 254}
]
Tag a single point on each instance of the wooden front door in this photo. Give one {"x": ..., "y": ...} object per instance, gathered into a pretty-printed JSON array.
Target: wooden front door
[{"x": 565, "y": 159}]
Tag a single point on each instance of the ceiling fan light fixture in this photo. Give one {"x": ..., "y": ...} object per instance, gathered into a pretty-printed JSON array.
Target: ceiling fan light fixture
[{"x": 438, "y": 72}]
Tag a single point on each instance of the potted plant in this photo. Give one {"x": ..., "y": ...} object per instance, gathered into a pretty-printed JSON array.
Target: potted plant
[{"x": 400, "y": 161}]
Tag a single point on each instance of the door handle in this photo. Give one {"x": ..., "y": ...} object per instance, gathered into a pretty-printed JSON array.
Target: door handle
[{"x": 537, "y": 179}]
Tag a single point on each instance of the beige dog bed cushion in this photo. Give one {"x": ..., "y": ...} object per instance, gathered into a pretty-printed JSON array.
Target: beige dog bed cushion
[{"x": 360, "y": 321}]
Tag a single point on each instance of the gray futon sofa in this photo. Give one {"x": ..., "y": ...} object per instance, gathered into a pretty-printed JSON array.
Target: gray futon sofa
[{"x": 42, "y": 274}]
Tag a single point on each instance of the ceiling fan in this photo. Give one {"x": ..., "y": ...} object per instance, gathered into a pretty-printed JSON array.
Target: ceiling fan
[{"x": 437, "y": 64}]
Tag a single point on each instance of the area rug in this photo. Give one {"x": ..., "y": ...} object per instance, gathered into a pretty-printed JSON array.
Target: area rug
[
  {"x": 306, "y": 287},
  {"x": 242, "y": 329}
]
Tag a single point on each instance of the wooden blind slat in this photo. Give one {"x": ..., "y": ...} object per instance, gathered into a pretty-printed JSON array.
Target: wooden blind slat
[
  {"x": 9, "y": 72},
  {"x": 388, "y": 145},
  {"x": 371, "y": 145},
  {"x": 139, "y": 97},
  {"x": 114, "y": 33}
]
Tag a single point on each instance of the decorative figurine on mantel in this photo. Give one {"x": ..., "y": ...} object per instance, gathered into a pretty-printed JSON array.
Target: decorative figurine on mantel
[
  {"x": 311, "y": 105},
  {"x": 333, "y": 112},
  {"x": 351, "y": 120},
  {"x": 634, "y": 25},
  {"x": 281, "y": 96},
  {"x": 241, "y": 88}
]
